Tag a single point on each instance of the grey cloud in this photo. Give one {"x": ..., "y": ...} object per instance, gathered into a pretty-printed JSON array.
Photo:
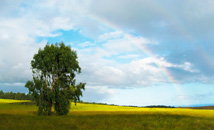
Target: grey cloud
[
  {"x": 159, "y": 19},
  {"x": 184, "y": 30},
  {"x": 180, "y": 27},
  {"x": 9, "y": 6}
]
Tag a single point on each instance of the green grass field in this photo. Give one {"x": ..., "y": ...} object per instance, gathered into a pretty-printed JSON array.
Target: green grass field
[{"x": 16, "y": 114}]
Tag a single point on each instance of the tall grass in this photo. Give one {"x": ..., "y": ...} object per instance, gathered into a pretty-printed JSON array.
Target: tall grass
[{"x": 18, "y": 115}]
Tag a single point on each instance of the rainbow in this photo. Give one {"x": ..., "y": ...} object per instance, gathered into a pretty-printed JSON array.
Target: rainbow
[{"x": 171, "y": 80}]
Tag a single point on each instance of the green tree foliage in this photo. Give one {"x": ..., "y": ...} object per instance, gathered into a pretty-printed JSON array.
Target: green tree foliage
[
  {"x": 54, "y": 69},
  {"x": 2, "y": 94}
]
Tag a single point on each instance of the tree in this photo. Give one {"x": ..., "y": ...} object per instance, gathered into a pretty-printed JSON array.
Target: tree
[
  {"x": 54, "y": 69},
  {"x": 1, "y": 94}
]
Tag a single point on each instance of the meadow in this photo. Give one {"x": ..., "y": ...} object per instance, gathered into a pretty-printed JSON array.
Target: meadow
[{"x": 17, "y": 114}]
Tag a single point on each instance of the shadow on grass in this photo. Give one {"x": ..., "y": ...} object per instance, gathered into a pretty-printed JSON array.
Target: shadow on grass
[{"x": 24, "y": 103}]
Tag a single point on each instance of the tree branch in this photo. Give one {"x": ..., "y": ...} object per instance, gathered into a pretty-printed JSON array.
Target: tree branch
[{"x": 57, "y": 80}]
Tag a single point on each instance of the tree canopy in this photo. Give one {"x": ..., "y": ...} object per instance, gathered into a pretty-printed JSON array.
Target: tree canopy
[{"x": 54, "y": 69}]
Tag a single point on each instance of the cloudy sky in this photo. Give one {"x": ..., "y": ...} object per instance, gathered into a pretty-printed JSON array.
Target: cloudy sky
[{"x": 132, "y": 52}]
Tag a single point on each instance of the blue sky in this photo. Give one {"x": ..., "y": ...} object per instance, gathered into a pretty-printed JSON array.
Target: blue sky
[{"x": 133, "y": 52}]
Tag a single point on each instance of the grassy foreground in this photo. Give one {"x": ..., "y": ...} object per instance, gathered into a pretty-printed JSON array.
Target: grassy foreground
[{"x": 23, "y": 115}]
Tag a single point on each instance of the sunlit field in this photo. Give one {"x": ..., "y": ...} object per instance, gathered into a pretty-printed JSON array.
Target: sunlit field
[
  {"x": 12, "y": 101},
  {"x": 16, "y": 114}
]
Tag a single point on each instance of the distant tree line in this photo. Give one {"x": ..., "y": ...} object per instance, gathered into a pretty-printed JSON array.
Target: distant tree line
[
  {"x": 160, "y": 106},
  {"x": 17, "y": 96}
]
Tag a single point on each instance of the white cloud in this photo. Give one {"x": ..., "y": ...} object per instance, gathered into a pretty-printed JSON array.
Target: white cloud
[
  {"x": 21, "y": 22},
  {"x": 99, "y": 65},
  {"x": 16, "y": 51},
  {"x": 86, "y": 44},
  {"x": 97, "y": 93},
  {"x": 115, "y": 43},
  {"x": 189, "y": 67},
  {"x": 110, "y": 35},
  {"x": 129, "y": 56},
  {"x": 14, "y": 84},
  {"x": 24, "y": 23},
  {"x": 102, "y": 89}
]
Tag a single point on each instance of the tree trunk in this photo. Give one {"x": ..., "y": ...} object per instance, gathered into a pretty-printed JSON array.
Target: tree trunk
[{"x": 50, "y": 107}]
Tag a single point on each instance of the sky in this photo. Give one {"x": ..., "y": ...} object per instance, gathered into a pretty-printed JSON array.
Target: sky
[{"x": 132, "y": 52}]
